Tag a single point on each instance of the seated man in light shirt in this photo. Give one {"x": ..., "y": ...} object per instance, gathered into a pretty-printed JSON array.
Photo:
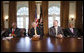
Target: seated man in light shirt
[
  {"x": 35, "y": 31},
  {"x": 55, "y": 30}
]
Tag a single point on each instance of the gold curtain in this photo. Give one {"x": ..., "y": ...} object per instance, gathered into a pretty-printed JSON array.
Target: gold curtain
[
  {"x": 2, "y": 18},
  {"x": 45, "y": 16},
  {"x": 12, "y": 12},
  {"x": 79, "y": 18},
  {"x": 64, "y": 14},
  {"x": 31, "y": 12}
]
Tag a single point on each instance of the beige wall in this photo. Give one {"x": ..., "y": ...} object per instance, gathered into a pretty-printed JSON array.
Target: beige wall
[
  {"x": 72, "y": 11},
  {"x": 5, "y": 11}
]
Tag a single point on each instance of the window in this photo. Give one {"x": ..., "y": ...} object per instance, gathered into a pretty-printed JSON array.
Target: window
[
  {"x": 53, "y": 12},
  {"x": 22, "y": 18}
]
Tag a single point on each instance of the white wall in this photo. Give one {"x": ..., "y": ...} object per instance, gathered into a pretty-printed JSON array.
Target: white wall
[{"x": 5, "y": 11}]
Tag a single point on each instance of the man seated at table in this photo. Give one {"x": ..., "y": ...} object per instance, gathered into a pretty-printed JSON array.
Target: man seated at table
[
  {"x": 71, "y": 31},
  {"x": 56, "y": 30},
  {"x": 35, "y": 31},
  {"x": 13, "y": 31}
]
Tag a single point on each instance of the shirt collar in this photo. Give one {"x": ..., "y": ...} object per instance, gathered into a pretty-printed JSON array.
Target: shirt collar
[{"x": 56, "y": 27}]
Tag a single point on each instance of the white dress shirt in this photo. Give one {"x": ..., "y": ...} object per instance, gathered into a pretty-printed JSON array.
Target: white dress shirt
[
  {"x": 56, "y": 30},
  {"x": 71, "y": 30},
  {"x": 13, "y": 29}
]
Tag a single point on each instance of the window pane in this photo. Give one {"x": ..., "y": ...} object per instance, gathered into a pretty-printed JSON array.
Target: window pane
[
  {"x": 23, "y": 11},
  {"x": 22, "y": 18},
  {"x": 50, "y": 21},
  {"x": 53, "y": 12}
]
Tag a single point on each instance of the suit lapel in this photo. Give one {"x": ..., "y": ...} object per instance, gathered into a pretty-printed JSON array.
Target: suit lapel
[
  {"x": 33, "y": 30},
  {"x": 54, "y": 30},
  {"x": 15, "y": 30},
  {"x": 11, "y": 30}
]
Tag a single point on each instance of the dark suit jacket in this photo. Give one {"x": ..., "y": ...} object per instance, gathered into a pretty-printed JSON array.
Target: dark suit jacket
[
  {"x": 69, "y": 33},
  {"x": 32, "y": 32},
  {"x": 17, "y": 32},
  {"x": 52, "y": 31}
]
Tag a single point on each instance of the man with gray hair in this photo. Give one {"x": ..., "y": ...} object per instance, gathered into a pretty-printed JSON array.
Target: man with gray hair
[
  {"x": 55, "y": 30},
  {"x": 35, "y": 31},
  {"x": 71, "y": 31}
]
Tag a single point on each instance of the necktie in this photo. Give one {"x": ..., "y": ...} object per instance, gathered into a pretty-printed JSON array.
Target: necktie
[
  {"x": 35, "y": 32},
  {"x": 56, "y": 31},
  {"x": 13, "y": 31}
]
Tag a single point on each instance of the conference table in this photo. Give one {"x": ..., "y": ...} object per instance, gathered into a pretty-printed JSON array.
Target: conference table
[{"x": 46, "y": 44}]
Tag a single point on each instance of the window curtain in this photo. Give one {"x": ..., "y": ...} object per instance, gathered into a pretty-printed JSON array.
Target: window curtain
[
  {"x": 2, "y": 18},
  {"x": 64, "y": 13},
  {"x": 31, "y": 12},
  {"x": 45, "y": 16},
  {"x": 79, "y": 15},
  {"x": 12, "y": 12}
]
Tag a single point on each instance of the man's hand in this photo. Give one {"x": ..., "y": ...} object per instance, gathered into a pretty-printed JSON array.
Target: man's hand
[
  {"x": 10, "y": 35},
  {"x": 36, "y": 36},
  {"x": 14, "y": 35},
  {"x": 59, "y": 36}
]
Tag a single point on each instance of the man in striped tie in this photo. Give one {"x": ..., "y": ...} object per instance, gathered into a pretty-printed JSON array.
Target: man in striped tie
[{"x": 13, "y": 31}]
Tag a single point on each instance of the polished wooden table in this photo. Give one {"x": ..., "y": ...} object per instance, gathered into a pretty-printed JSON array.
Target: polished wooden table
[{"x": 25, "y": 44}]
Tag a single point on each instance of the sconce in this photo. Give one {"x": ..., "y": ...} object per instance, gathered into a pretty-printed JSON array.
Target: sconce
[
  {"x": 6, "y": 18},
  {"x": 72, "y": 17}
]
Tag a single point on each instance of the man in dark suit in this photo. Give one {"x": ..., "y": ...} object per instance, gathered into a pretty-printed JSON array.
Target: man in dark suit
[
  {"x": 13, "y": 30},
  {"x": 71, "y": 31},
  {"x": 35, "y": 31},
  {"x": 56, "y": 30}
]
